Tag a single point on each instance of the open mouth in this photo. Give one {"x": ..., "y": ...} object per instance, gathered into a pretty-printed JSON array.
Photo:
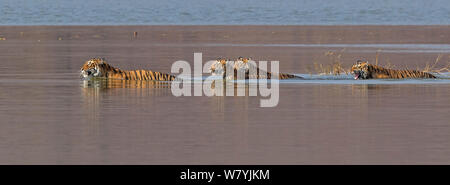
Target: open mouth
[{"x": 356, "y": 75}]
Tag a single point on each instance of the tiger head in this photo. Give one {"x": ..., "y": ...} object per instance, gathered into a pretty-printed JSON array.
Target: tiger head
[
  {"x": 218, "y": 67},
  {"x": 94, "y": 67},
  {"x": 361, "y": 70},
  {"x": 245, "y": 60},
  {"x": 241, "y": 64}
]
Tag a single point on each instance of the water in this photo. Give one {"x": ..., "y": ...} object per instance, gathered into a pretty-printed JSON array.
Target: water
[
  {"x": 206, "y": 12},
  {"x": 57, "y": 119},
  {"x": 48, "y": 115},
  {"x": 368, "y": 48}
]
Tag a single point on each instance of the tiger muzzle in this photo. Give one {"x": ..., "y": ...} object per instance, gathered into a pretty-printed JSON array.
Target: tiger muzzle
[{"x": 357, "y": 74}]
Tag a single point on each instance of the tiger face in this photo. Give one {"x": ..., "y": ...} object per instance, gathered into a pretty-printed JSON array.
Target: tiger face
[
  {"x": 245, "y": 60},
  {"x": 360, "y": 70},
  {"x": 241, "y": 64},
  {"x": 92, "y": 68},
  {"x": 218, "y": 68}
]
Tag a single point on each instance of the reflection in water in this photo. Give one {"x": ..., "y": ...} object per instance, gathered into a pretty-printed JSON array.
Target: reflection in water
[
  {"x": 216, "y": 87},
  {"x": 115, "y": 122},
  {"x": 231, "y": 88},
  {"x": 115, "y": 83},
  {"x": 47, "y": 116},
  {"x": 97, "y": 95}
]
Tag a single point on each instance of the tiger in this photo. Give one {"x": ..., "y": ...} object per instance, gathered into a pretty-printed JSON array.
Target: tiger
[
  {"x": 364, "y": 70},
  {"x": 97, "y": 67},
  {"x": 242, "y": 65}
]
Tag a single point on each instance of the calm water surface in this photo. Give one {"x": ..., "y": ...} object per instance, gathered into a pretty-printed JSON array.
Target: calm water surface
[
  {"x": 206, "y": 12},
  {"x": 50, "y": 117}
]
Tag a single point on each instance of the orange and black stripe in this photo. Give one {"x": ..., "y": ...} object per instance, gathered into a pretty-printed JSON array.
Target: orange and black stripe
[
  {"x": 139, "y": 75},
  {"x": 398, "y": 74},
  {"x": 115, "y": 73}
]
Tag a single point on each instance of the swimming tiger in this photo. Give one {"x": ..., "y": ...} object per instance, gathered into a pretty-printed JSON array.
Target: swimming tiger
[
  {"x": 97, "y": 67},
  {"x": 364, "y": 70},
  {"x": 242, "y": 66}
]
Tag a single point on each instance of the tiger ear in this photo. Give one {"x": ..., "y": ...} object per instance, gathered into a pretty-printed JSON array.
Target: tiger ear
[{"x": 102, "y": 61}]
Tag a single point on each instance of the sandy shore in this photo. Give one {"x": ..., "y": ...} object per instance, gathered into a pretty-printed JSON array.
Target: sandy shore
[
  {"x": 160, "y": 46},
  {"x": 238, "y": 34}
]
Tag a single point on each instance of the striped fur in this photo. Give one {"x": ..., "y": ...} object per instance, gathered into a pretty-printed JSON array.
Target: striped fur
[
  {"x": 99, "y": 68},
  {"x": 242, "y": 65},
  {"x": 364, "y": 70}
]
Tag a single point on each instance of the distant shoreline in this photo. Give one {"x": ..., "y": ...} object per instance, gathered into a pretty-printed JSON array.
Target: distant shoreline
[
  {"x": 298, "y": 48},
  {"x": 224, "y": 24},
  {"x": 299, "y": 34}
]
